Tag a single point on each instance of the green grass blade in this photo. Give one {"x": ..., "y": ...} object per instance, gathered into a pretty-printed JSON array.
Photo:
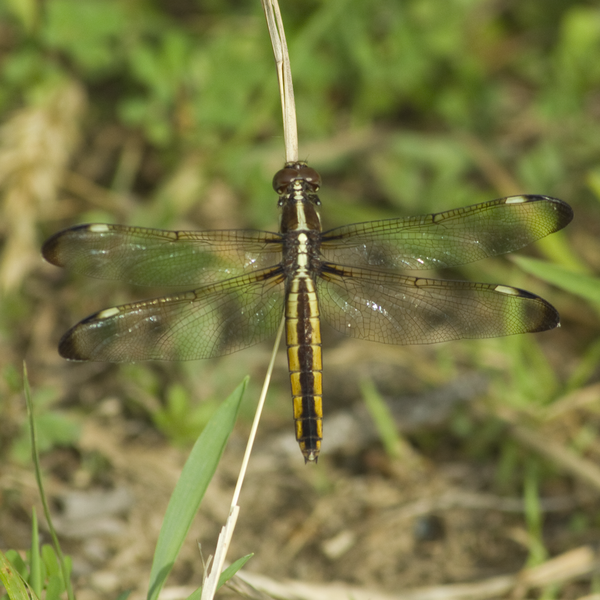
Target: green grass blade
[
  {"x": 64, "y": 566},
  {"x": 18, "y": 563},
  {"x": 233, "y": 568},
  {"x": 36, "y": 576},
  {"x": 54, "y": 587},
  {"x": 383, "y": 419},
  {"x": 226, "y": 575},
  {"x": 12, "y": 581},
  {"x": 534, "y": 517},
  {"x": 584, "y": 286},
  {"x": 557, "y": 249},
  {"x": 189, "y": 491}
]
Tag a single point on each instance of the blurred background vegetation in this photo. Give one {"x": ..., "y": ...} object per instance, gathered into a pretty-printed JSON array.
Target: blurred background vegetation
[{"x": 166, "y": 114}]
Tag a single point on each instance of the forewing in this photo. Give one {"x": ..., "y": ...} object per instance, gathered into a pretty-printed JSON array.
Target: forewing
[
  {"x": 383, "y": 307},
  {"x": 159, "y": 257},
  {"x": 450, "y": 238},
  {"x": 211, "y": 321}
]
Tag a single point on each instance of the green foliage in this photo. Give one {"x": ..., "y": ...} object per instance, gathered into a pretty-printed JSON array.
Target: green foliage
[
  {"x": 55, "y": 428},
  {"x": 92, "y": 34},
  {"x": 180, "y": 420},
  {"x": 38, "y": 575},
  {"x": 189, "y": 491},
  {"x": 534, "y": 518},
  {"x": 383, "y": 420},
  {"x": 12, "y": 579},
  {"x": 581, "y": 285},
  {"x": 53, "y": 571},
  {"x": 206, "y": 82}
]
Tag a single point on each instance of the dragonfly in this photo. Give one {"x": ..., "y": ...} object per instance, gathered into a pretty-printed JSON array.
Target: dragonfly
[{"x": 243, "y": 282}]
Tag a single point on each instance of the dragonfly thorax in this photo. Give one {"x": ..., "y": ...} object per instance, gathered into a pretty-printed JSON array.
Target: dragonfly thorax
[{"x": 297, "y": 186}]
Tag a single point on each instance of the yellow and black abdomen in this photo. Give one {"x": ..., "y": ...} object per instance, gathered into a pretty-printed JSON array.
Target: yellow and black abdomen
[{"x": 303, "y": 332}]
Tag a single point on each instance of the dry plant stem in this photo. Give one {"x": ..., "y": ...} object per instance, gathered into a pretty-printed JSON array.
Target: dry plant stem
[
  {"x": 579, "y": 399},
  {"x": 211, "y": 582},
  {"x": 565, "y": 458},
  {"x": 290, "y": 133},
  {"x": 284, "y": 76},
  {"x": 574, "y": 564},
  {"x": 254, "y": 429},
  {"x": 558, "y": 454},
  {"x": 490, "y": 166},
  {"x": 94, "y": 194}
]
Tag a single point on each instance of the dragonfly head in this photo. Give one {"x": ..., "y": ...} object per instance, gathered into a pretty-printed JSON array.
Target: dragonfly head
[
  {"x": 297, "y": 185},
  {"x": 296, "y": 176}
]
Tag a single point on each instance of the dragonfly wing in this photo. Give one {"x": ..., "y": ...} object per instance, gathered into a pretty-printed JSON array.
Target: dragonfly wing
[
  {"x": 159, "y": 257},
  {"x": 449, "y": 238},
  {"x": 382, "y": 307},
  {"x": 211, "y": 321}
]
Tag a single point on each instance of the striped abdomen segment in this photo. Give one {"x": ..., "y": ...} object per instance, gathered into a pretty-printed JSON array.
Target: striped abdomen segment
[{"x": 303, "y": 330}]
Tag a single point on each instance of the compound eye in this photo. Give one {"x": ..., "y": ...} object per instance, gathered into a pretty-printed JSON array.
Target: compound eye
[
  {"x": 310, "y": 176},
  {"x": 283, "y": 178}
]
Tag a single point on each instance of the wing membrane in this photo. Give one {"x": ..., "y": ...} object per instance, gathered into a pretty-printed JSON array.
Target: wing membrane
[
  {"x": 382, "y": 307},
  {"x": 157, "y": 257},
  {"x": 449, "y": 238},
  {"x": 211, "y": 321}
]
